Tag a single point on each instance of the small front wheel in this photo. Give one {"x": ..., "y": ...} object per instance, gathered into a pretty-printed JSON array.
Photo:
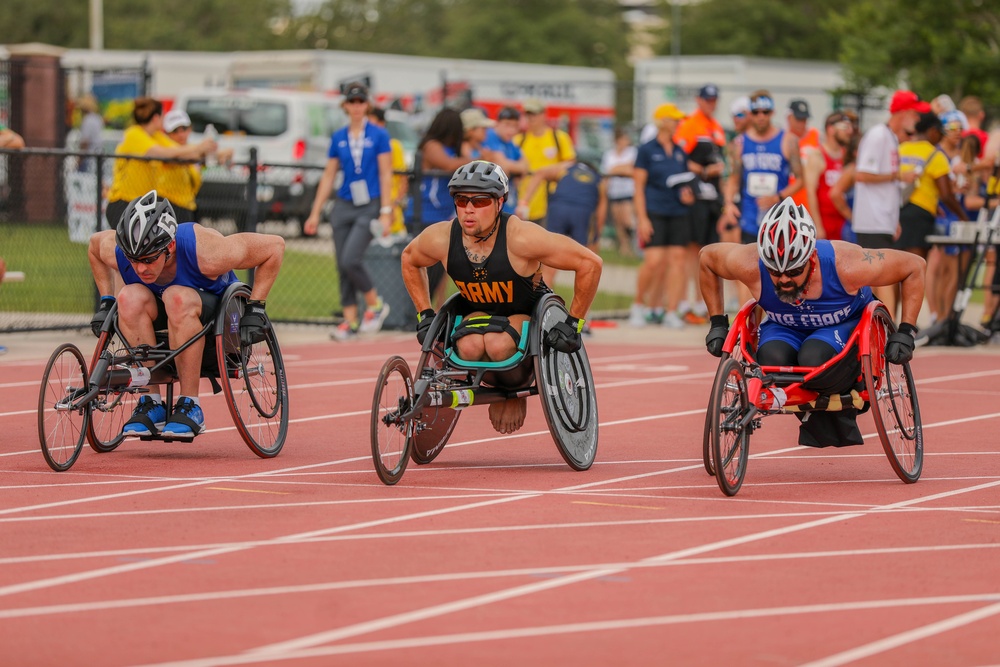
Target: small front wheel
[
  {"x": 730, "y": 430},
  {"x": 390, "y": 434},
  {"x": 61, "y": 426}
]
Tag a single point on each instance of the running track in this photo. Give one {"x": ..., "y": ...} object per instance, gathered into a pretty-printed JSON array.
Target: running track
[{"x": 498, "y": 553}]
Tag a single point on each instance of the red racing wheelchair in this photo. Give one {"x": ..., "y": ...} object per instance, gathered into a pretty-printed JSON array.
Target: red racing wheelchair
[{"x": 744, "y": 392}]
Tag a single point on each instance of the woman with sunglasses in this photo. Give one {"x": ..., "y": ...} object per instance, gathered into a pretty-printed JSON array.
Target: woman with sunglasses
[
  {"x": 813, "y": 293},
  {"x": 363, "y": 152}
]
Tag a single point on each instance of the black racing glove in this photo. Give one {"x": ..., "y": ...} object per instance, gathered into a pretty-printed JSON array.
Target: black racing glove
[
  {"x": 103, "y": 310},
  {"x": 899, "y": 346},
  {"x": 253, "y": 324},
  {"x": 717, "y": 334},
  {"x": 565, "y": 336},
  {"x": 424, "y": 319}
]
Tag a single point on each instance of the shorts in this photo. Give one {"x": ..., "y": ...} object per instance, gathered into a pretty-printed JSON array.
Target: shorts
[
  {"x": 704, "y": 214},
  {"x": 669, "y": 230},
  {"x": 917, "y": 224},
  {"x": 942, "y": 227},
  {"x": 209, "y": 309},
  {"x": 569, "y": 221},
  {"x": 874, "y": 241},
  {"x": 835, "y": 335}
]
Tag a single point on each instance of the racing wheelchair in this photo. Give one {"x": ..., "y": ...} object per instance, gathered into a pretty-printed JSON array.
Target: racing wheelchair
[
  {"x": 412, "y": 418},
  {"x": 744, "y": 392},
  {"x": 76, "y": 402}
]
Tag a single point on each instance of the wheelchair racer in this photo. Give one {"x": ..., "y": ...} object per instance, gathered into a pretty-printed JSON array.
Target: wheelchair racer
[
  {"x": 171, "y": 276},
  {"x": 813, "y": 293},
  {"x": 495, "y": 260}
]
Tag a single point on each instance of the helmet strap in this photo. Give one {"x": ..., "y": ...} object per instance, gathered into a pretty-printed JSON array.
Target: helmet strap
[
  {"x": 809, "y": 275},
  {"x": 496, "y": 223}
]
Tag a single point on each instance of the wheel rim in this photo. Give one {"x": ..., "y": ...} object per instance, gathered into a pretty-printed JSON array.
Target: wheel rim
[
  {"x": 389, "y": 433},
  {"x": 256, "y": 389},
  {"x": 61, "y": 431},
  {"x": 433, "y": 425},
  {"x": 729, "y": 436},
  {"x": 110, "y": 411}
]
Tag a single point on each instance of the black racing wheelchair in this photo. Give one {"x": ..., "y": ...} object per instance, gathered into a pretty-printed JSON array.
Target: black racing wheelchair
[
  {"x": 744, "y": 392},
  {"x": 76, "y": 402},
  {"x": 413, "y": 417}
]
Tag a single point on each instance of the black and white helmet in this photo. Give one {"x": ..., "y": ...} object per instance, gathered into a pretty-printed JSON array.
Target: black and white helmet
[
  {"x": 147, "y": 226},
  {"x": 479, "y": 176},
  {"x": 787, "y": 236}
]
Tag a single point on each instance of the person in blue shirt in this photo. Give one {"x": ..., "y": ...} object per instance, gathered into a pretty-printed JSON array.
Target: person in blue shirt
[
  {"x": 813, "y": 293},
  {"x": 499, "y": 148},
  {"x": 363, "y": 206}
]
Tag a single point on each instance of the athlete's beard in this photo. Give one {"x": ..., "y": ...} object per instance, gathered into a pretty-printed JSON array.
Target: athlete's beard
[{"x": 791, "y": 296}]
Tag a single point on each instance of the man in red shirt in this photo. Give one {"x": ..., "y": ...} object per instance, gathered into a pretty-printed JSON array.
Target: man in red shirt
[{"x": 822, "y": 170}]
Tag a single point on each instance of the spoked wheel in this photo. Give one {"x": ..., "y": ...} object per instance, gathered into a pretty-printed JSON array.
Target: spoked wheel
[
  {"x": 61, "y": 430},
  {"x": 391, "y": 441},
  {"x": 566, "y": 387},
  {"x": 111, "y": 410},
  {"x": 730, "y": 435},
  {"x": 893, "y": 397},
  {"x": 253, "y": 381},
  {"x": 433, "y": 425}
]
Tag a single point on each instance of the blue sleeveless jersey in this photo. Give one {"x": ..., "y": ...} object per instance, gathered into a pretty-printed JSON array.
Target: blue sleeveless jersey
[
  {"x": 579, "y": 189},
  {"x": 834, "y": 307},
  {"x": 188, "y": 274},
  {"x": 760, "y": 158}
]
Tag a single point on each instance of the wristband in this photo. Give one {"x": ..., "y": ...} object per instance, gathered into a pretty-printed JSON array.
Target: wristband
[
  {"x": 907, "y": 328},
  {"x": 385, "y": 209},
  {"x": 109, "y": 299},
  {"x": 576, "y": 323},
  {"x": 718, "y": 321},
  {"x": 423, "y": 314}
]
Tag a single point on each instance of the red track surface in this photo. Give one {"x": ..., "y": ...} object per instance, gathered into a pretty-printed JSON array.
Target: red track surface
[{"x": 498, "y": 553}]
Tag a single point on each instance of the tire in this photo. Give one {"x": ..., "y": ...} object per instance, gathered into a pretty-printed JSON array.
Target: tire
[
  {"x": 706, "y": 440},
  {"x": 110, "y": 411},
  {"x": 61, "y": 431},
  {"x": 253, "y": 380},
  {"x": 893, "y": 397},
  {"x": 432, "y": 426},
  {"x": 566, "y": 388},
  {"x": 390, "y": 436},
  {"x": 730, "y": 441}
]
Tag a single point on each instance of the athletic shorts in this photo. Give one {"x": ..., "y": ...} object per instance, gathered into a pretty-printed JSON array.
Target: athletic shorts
[
  {"x": 669, "y": 230},
  {"x": 874, "y": 241},
  {"x": 209, "y": 309},
  {"x": 942, "y": 227},
  {"x": 917, "y": 224},
  {"x": 704, "y": 216},
  {"x": 570, "y": 222},
  {"x": 835, "y": 335}
]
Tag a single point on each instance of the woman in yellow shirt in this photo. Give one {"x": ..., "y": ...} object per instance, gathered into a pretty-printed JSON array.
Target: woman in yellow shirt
[{"x": 134, "y": 178}]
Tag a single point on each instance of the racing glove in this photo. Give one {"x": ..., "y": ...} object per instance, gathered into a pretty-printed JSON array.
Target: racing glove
[
  {"x": 253, "y": 324},
  {"x": 424, "y": 319},
  {"x": 103, "y": 310},
  {"x": 716, "y": 337},
  {"x": 565, "y": 336},
  {"x": 899, "y": 346}
]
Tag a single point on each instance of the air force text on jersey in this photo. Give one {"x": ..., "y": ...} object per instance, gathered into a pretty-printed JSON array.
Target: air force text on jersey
[{"x": 812, "y": 320}]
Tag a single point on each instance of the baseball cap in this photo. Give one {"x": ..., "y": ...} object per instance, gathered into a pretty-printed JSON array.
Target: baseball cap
[
  {"x": 955, "y": 118},
  {"x": 174, "y": 119},
  {"x": 905, "y": 100},
  {"x": 473, "y": 118},
  {"x": 740, "y": 106},
  {"x": 709, "y": 92},
  {"x": 509, "y": 113},
  {"x": 667, "y": 110},
  {"x": 533, "y": 106},
  {"x": 799, "y": 109},
  {"x": 356, "y": 91}
]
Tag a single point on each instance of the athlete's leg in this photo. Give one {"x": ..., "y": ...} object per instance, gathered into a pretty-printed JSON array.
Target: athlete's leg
[
  {"x": 507, "y": 416},
  {"x": 184, "y": 309}
]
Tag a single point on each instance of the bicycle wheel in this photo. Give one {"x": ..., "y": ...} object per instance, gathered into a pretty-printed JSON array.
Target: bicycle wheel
[
  {"x": 893, "y": 398},
  {"x": 253, "y": 380},
  {"x": 111, "y": 410},
  {"x": 433, "y": 425},
  {"x": 61, "y": 430},
  {"x": 730, "y": 436},
  {"x": 390, "y": 435}
]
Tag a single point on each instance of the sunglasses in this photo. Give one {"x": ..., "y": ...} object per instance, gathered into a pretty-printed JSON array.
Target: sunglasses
[
  {"x": 764, "y": 112},
  {"x": 478, "y": 201},
  {"x": 148, "y": 259},
  {"x": 791, "y": 273}
]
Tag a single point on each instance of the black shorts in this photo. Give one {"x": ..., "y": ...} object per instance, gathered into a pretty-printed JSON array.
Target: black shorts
[
  {"x": 874, "y": 241},
  {"x": 209, "y": 309},
  {"x": 669, "y": 230},
  {"x": 917, "y": 224},
  {"x": 704, "y": 215}
]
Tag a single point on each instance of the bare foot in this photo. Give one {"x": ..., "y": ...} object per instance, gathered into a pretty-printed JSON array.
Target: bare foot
[{"x": 509, "y": 415}]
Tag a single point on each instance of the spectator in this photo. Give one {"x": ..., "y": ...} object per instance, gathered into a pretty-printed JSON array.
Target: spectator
[
  {"x": 474, "y": 125},
  {"x": 91, "y": 130},
  {"x": 875, "y": 215},
  {"x": 701, "y": 136},
  {"x": 499, "y": 148},
  {"x": 362, "y": 207},
  {"x": 616, "y": 165},
  {"x": 10, "y": 139},
  {"x": 798, "y": 124},
  {"x": 842, "y": 192},
  {"x": 543, "y": 146},
  {"x": 179, "y": 182},
  {"x": 975, "y": 116},
  {"x": 400, "y": 182},
  {"x": 134, "y": 178},
  {"x": 822, "y": 169},
  {"x": 663, "y": 195}
]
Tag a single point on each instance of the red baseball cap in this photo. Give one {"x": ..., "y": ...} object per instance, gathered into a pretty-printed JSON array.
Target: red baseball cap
[{"x": 905, "y": 100}]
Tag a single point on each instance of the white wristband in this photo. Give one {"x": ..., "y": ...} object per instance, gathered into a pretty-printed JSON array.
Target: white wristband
[{"x": 385, "y": 209}]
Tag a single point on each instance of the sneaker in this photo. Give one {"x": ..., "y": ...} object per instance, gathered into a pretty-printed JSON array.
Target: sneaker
[
  {"x": 186, "y": 421},
  {"x": 344, "y": 332},
  {"x": 672, "y": 320},
  {"x": 655, "y": 316},
  {"x": 693, "y": 318},
  {"x": 637, "y": 315},
  {"x": 374, "y": 317},
  {"x": 148, "y": 418}
]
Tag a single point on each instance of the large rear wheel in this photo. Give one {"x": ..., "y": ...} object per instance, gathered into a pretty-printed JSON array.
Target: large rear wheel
[{"x": 62, "y": 428}]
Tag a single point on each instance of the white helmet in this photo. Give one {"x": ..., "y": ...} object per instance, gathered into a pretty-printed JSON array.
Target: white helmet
[{"x": 787, "y": 237}]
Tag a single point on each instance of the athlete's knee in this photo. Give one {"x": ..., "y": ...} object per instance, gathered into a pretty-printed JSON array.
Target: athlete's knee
[
  {"x": 181, "y": 302},
  {"x": 816, "y": 353},
  {"x": 470, "y": 348},
  {"x": 134, "y": 301},
  {"x": 777, "y": 353},
  {"x": 499, "y": 346}
]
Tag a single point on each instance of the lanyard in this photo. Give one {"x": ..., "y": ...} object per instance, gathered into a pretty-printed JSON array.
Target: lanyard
[{"x": 357, "y": 145}]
